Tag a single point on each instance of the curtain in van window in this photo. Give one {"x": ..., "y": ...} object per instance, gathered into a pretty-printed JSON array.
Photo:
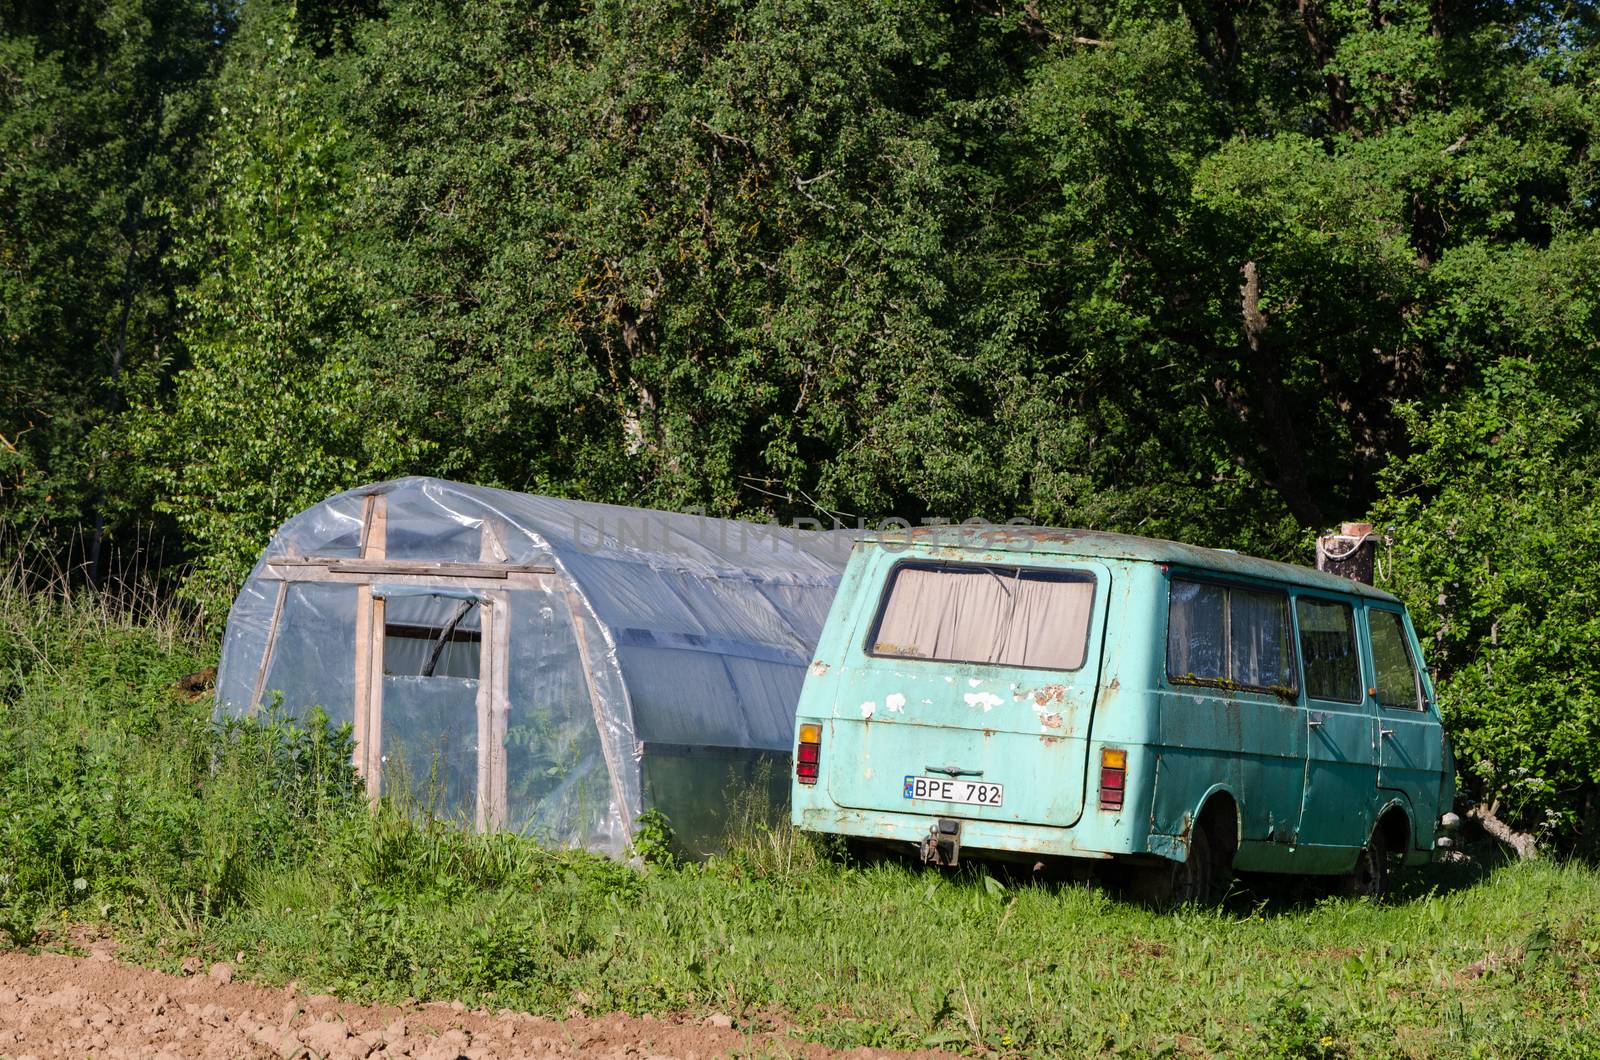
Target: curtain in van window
[
  {"x": 1328, "y": 646},
  {"x": 1228, "y": 633},
  {"x": 1049, "y": 624},
  {"x": 1259, "y": 640},
  {"x": 987, "y": 614},
  {"x": 1196, "y": 632}
]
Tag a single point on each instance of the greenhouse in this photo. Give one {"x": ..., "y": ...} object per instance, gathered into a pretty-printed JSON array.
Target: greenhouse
[{"x": 548, "y": 666}]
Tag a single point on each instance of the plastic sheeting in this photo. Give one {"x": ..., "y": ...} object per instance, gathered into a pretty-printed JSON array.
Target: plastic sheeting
[{"x": 553, "y": 667}]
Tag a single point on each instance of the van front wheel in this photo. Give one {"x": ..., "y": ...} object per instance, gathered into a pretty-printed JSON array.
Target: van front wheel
[{"x": 1370, "y": 877}]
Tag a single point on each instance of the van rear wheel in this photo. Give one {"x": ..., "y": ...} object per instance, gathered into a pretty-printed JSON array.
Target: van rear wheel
[{"x": 1203, "y": 879}]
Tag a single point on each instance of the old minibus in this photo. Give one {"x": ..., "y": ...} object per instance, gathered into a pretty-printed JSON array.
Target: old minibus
[{"x": 1185, "y": 712}]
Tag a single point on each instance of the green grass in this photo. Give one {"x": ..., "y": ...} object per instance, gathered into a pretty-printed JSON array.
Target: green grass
[
  {"x": 887, "y": 956},
  {"x": 120, "y": 804}
]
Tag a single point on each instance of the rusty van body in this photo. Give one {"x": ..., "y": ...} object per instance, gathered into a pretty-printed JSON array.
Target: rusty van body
[{"x": 1026, "y": 692}]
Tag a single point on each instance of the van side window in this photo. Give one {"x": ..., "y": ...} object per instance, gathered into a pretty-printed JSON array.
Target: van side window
[
  {"x": 1391, "y": 656},
  {"x": 985, "y": 614},
  {"x": 1197, "y": 631},
  {"x": 1230, "y": 635},
  {"x": 1328, "y": 646}
]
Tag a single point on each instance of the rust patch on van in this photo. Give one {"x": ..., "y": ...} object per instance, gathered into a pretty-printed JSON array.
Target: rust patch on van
[
  {"x": 1109, "y": 692},
  {"x": 1049, "y": 741},
  {"x": 1051, "y": 719},
  {"x": 819, "y": 668},
  {"x": 1048, "y": 694}
]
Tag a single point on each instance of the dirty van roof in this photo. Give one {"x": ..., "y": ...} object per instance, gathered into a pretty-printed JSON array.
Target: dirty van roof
[{"x": 960, "y": 540}]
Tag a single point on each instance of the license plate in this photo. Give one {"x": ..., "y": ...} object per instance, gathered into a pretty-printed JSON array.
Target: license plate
[{"x": 966, "y": 792}]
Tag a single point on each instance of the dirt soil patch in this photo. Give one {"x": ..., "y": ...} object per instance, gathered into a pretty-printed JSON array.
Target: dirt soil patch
[{"x": 53, "y": 1005}]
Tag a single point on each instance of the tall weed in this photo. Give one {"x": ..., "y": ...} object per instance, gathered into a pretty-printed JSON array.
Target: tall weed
[
  {"x": 762, "y": 843},
  {"x": 116, "y": 789}
]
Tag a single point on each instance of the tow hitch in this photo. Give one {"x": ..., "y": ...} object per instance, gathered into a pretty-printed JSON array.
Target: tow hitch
[{"x": 942, "y": 844}]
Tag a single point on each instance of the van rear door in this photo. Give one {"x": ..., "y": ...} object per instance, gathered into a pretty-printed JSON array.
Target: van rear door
[{"x": 970, "y": 690}]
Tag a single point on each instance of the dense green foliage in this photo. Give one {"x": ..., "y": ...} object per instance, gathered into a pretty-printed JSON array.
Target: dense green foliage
[
  {"x": 102, "y": 110},
  {"x": 1221, "y": 270},
  {"x": 109, "y": 813},
  {"x": 116, "y": 789},
  {"x": 1500, "y": 506}
]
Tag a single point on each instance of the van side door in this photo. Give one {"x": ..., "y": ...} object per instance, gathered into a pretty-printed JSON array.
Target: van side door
[
  {"x": 1410, "y": 752},
  {"x": 1341, "y": 728},
  {"x": 1232, "y": 714}
]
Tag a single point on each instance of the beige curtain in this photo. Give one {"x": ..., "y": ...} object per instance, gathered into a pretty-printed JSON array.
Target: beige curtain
[{"x": 1013, "y": 618}]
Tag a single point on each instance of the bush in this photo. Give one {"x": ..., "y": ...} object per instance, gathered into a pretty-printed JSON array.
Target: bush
[
  {"x": 1496, "y": 521},
  {"x": 117, "y": 790}
]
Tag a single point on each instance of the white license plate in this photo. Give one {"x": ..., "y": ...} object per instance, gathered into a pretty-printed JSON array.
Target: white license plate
[{"x": 966, "y": 792}]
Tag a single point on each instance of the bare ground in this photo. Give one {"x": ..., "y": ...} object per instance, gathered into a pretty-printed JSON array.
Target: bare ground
[{"x": 53, "y": 1005}]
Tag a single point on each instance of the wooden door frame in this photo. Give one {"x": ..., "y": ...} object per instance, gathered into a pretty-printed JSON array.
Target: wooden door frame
[{"x": 492, "y": 579}]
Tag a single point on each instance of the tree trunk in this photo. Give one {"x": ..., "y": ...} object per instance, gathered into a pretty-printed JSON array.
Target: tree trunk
[
  {"x": 1322, "y": 50},
  {"x": 1282, "y": 440},
  {"x": 1526, "y": 848}
]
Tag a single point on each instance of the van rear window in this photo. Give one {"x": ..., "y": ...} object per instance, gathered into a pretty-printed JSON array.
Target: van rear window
[
  {"x": 1008, "y": 616},
  {"x": 1230, "y": 635}
]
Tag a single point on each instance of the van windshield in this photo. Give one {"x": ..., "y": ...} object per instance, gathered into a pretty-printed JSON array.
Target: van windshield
[{"x": 985, "y": 614}]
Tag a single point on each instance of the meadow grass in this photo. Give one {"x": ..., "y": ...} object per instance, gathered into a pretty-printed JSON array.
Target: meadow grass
[
  {"x": 121, "y": 804},
  {"x": 885, "y": 955}
]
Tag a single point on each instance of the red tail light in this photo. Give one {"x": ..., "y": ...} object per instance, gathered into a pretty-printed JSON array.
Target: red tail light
[
  {"x": 808, "y": 756},
  {"x": 1113, "y": 778}
]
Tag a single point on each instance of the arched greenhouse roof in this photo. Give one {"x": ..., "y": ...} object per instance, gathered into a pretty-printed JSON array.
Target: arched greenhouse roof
[{"x": 541, "y": 664}]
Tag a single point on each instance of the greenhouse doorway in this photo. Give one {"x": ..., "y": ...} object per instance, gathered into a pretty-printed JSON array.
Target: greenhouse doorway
[
  {"x": 474, "y": 702},
  {"x": 430, "y": 700},
  {"x": 433, "y": 706}
]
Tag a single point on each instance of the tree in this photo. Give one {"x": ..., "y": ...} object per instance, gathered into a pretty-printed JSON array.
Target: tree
[
  {"x": 1210, "y": 269},
  {"x": 101, "y": 109},
  {"x": 1496, "y": 522},
  {"x": 273, "y": 411}
]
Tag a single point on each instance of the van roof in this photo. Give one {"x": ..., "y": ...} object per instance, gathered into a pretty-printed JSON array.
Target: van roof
[{"x": 958, "y": 539}]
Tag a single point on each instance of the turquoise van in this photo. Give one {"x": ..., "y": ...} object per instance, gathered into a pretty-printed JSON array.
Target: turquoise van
[{"x": 1022, "y": 692}]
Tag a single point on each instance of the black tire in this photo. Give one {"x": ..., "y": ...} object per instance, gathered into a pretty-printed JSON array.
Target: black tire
[
  {"x": 1203, "y": 879},
  {"x": 1370, "y": 877}
]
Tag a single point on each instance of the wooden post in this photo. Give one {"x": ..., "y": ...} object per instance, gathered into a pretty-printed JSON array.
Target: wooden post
[
  {"x": 486, "y": 661},
  {"x": 499, "y": 708},
  {"x": 363, "y": 678},
  {"x": 493, "y": 704},
  {"x": 373, "y": 742},
  {"x": 494, "y": 700},
  {"x": 367, "y": 757}
]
